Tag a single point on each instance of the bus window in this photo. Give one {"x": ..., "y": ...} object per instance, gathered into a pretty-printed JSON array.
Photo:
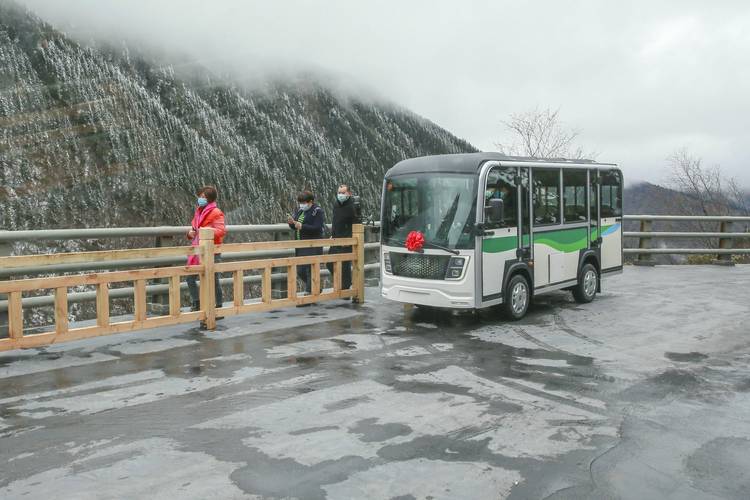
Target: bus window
[
  {"x": 501, "y": 184},
  {"x": 574, "y": 196},
  {"x": 611, "y": 182},
  {"x": 546, "y": 196}
]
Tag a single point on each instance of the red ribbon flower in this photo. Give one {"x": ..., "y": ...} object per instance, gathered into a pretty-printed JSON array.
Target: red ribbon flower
[{"x": 414, "y": 241}]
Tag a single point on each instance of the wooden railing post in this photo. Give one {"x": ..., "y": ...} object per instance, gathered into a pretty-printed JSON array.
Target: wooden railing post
[
  {"x": 15, "y": 316},
  {"x": 291, "y": 282},
  {"x": 644, "y": 259},
  {"x": 238, "y": 288},
  {"x": 315, "y": 278},
  {"x": 266, "y": 284},
  {"x": 139, "y": 299},
  {"x": 102, "y": 305},
  {"x": 160, "y": 302},
  {"x": 5, "y": 250},
  {"x": 358, "y": 271},
  {"x": 61, "y": 310},
  {"x": 725, "y": 259},
  {"x": 279, "y": 288},
  {"x": 174, "y": 296},
  {"x": 207, "y": 286}
]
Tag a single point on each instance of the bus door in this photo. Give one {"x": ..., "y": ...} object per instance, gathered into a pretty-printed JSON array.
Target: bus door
[
  {"x": 526, "y": 249},
  {"x": 547, "y": 223},
  {"x": 594, "y": 213},
  {"x": 610, "y": 218},
  {"x": 500, "y": 241}
]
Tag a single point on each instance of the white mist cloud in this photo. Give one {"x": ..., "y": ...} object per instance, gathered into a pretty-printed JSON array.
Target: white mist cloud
[{"x": 639, "y": 79}]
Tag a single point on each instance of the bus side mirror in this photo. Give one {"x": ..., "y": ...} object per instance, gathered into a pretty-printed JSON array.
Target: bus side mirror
[{"x": 496, "y": 210}]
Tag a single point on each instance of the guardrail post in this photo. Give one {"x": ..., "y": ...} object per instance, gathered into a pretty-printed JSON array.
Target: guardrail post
[
  {"x": 5, "y": 251},
  {"x": 644, "y": 259},
  {"x": 358, "y": 271},
  {"x": 725, "y": 259},
  {"x": 207, "y": 285}
]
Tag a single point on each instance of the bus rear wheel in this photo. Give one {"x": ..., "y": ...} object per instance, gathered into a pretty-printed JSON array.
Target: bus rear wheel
[
  {"x": 585, "y": 291},
  {"x": 517, "y": 298}
]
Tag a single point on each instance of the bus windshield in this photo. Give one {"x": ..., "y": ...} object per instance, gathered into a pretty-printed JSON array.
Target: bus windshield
[{"x": 441, "y": 206}]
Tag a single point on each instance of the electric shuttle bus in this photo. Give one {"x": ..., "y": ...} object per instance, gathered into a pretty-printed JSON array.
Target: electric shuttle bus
[{"x": 469, "y": 231}]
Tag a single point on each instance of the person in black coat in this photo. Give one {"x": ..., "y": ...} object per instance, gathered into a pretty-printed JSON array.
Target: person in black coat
[
  {"x": 308, "y": 222},
  {"x": 343, "y": 218}
]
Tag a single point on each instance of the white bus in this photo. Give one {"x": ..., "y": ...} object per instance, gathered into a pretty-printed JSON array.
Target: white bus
[{"x": 498, "y": 230}]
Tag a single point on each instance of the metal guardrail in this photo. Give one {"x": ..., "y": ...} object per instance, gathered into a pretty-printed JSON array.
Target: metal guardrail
[
  {"x": 135, "y": 263},
  {"x": 645, "y": 239},
  {"x": 725, "y": 235},
  {"x": 134, "y": 232},
  {"x": 704, "y": 218}
]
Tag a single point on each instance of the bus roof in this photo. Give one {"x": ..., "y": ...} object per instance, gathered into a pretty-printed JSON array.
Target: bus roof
[{"x": 470, "y": 163}]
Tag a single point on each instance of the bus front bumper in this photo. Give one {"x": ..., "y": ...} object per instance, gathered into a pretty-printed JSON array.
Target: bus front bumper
[{"x": 432, "y": 297}]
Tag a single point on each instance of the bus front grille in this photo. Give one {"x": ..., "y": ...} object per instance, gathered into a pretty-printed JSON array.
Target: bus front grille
[{"x": 416, "y": 265}]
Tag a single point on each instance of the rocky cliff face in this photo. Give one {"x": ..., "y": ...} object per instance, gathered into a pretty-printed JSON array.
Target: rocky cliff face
[{"x": 91, "y": 137}]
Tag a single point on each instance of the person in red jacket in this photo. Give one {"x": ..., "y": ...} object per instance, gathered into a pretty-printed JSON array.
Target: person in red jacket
[{"x": 207, "y": 214}]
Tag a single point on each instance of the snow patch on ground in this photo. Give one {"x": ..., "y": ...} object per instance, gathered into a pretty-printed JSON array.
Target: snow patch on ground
[
  {"x": 543, "y": 428},
  {"x": 182, "y": 474},
  {"x": 422, "y": 478}
]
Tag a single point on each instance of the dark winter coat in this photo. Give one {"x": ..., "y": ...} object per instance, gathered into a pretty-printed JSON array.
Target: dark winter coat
[
  {"x": 343, "y": 219},
  {"x": 313, "y": 221}
]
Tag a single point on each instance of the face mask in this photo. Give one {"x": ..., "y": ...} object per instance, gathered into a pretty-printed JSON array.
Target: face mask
[
  {"x": 202, "y": 202},
  {"x": 304, "y": 206},
  {"x": 342, "y": 197}
]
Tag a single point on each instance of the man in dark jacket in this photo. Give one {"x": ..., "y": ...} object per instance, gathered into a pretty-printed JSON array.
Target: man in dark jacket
[
  {"x": 343, "y": 218},
  {"x": 307, "y": 222}
]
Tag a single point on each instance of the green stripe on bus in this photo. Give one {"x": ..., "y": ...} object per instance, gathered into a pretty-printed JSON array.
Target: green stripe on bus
[{"x": 563, "y": 240}]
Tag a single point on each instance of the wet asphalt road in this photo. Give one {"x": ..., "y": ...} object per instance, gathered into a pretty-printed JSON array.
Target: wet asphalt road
[{"x": 644, "y": 393}]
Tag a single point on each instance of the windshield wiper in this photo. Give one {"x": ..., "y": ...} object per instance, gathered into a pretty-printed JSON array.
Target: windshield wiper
[
  {"x": 432, "y": 245},
  {"x": 440, "y": 247}
]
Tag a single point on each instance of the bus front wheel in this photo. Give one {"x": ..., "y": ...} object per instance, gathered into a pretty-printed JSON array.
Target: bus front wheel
[
  {"x": 517, "y": 297},
  {"x": 585, "y": 290}
]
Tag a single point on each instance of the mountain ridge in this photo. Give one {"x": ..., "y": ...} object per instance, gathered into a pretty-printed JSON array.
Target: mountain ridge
[{"x": 97, "y": 138}]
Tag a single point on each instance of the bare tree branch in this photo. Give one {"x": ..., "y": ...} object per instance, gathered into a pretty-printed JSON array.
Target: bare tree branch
[
  {"x": 541, "y": 134},
  {"x": 707, "y": 191}
]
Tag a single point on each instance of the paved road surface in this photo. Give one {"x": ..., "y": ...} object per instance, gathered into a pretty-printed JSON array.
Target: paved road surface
[{"x": 644, "y": 393}]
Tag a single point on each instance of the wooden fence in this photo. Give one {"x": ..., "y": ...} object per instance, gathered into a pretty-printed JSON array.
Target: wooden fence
[{"x": 208, "y": 312}]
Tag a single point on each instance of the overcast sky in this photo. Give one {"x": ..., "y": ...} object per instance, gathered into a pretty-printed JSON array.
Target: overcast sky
[{"x": 639, "y": 79}]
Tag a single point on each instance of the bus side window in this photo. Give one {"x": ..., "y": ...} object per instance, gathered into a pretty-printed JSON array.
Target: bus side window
[
  {"x": 574, "y": 196},
  {"x": 611, "y": 183},
  {"x": 501, "y": 184},
  {"x": 546, "y": 196}
]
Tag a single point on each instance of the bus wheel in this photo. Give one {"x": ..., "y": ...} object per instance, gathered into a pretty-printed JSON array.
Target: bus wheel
[
  {"x": 585, "y": 290},
  {"x": 517, "y": 298}
]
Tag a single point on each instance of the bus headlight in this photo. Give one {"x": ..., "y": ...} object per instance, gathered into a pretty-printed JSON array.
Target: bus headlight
[
  {"x": 387, "y": 262},
  {"x": 455, "y": 268}
]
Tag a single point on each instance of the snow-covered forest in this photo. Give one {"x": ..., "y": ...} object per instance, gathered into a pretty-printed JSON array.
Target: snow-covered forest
[{"x": 92, "y": 137}]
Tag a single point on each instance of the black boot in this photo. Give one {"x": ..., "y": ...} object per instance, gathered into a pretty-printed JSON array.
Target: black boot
[{"x": 196, "y": 306}]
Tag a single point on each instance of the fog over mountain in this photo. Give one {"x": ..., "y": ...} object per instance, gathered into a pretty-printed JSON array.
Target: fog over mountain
[
  {"x": 104, "y": 137},
  {"x": 639, "y": 79}
]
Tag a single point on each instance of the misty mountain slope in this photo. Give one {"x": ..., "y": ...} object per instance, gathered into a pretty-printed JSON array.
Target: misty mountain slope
[{"x": 90, "y": 137}]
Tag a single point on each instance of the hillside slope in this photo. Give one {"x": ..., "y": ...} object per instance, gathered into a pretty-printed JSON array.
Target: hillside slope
[{"x": 89, "y": 137}]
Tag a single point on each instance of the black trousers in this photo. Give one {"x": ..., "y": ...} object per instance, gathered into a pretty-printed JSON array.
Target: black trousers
[
  {"x": 193, "y": 286},
  {"x": 346, "y": 267}
]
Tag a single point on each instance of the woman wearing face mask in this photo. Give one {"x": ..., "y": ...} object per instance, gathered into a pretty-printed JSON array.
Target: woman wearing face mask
[
  {"x": 307, "y": 223},
  {"x": 207, "y": 214}
]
